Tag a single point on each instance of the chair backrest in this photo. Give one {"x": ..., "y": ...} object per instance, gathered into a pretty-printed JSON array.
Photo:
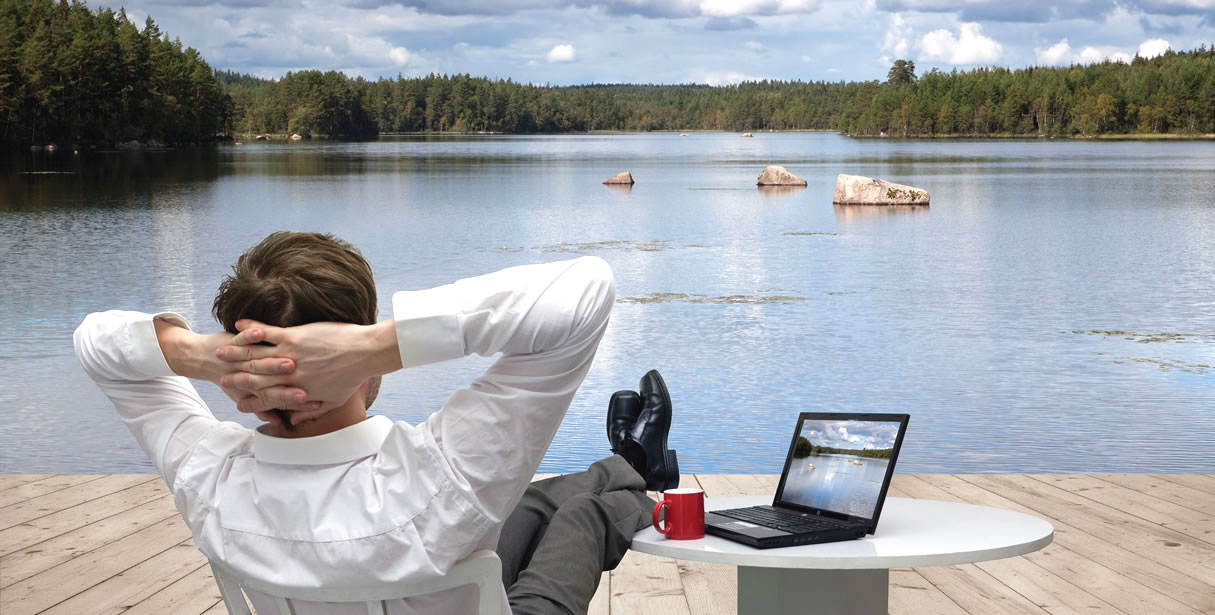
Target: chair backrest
[{"x": 482, "y": 568}]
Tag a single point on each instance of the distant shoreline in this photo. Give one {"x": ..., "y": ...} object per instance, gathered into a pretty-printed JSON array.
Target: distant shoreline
[{"x": 945, "y": 137}]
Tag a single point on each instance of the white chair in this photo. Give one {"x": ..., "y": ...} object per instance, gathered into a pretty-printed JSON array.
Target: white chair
[{"x": 482, "y": 568}]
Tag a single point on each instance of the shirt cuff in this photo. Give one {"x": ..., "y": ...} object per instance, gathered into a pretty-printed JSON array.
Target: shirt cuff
[
  {"x": 428, "y": 325},
  {"x": 146, "y": 357}
]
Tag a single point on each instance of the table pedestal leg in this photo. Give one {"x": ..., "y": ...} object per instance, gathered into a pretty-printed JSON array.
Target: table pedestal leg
[{"x": 785, "y": 591}]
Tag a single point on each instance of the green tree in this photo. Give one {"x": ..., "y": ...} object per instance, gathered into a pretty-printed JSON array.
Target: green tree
[{"x": 901, "y": 72}]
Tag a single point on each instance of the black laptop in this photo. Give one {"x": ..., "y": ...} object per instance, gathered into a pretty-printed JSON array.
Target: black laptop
[{"x": 834, "y": 483}]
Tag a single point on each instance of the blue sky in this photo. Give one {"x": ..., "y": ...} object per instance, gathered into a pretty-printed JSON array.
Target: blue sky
[
  {"x": 565, "y": 42},
  {"x": 851, "y": 434}
]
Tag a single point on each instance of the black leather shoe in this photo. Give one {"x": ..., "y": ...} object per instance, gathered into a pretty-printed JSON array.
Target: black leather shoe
[
  {"x": 650, "y": 431},
  {"x": 623, "y": 408}
]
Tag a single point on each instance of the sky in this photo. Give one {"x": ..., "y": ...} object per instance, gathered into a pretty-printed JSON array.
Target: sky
[
  {"x": 854, "y": 435},
  {"x": 568, "y": 42}
]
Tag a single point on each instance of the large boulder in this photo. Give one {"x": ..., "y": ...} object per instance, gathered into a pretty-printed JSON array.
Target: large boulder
[
  {"x": 624, "y": 178},
  {"x": 859, "y": 190},
  {"x": 779, "y": 176}
]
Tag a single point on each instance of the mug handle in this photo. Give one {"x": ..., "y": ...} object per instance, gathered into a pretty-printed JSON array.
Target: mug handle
[{"x": 663, "y": 504}]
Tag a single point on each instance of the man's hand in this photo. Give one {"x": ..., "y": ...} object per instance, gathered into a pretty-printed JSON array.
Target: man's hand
[
  {"x": 193, "y": 355},
  {"x": 331, "y": 361}
]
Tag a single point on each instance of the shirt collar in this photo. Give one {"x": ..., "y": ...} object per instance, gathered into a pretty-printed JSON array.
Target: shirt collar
[{"x": 357, "y": 441}]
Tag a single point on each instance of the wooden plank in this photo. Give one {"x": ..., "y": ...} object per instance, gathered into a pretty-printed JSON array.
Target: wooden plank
[
  {"x": 8, "y": 481},
  {"x": 912, "y": 594},
  {"x": 33, "y": 489},
  {"x": 1166, "y": 514},
  {"x": 192, "y": 594},
  {"x": 43, "y": 505},
  {"x": 647, "y": 585},
  {"x": 717, "y": 486},
  {"x": 1040, "y": 586},
  {"x": 133, "y": 585},
  {"x": 979, "y": 593},
  {"x": 1163, "y": 545},
  {"x": 44, "y": 528},
  {"x": 1181, "y": 495},
  {"x": 50, "y": 587},
  {"x": 749, "y": 484},
  {"x": 1201, "y": 482},
  {"x": 217, "y": 609},
  {"x": 710, "y": 589},
  {"x": 42, "y": 556},
  {"x": 1131, "y": 565}
]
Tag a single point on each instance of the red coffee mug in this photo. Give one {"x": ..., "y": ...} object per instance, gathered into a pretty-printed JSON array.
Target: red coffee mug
[{"x": 685, "y": 514}]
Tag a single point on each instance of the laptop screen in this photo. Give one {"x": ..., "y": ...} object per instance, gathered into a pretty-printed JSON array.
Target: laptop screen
[{"x": 841, "y": 464}]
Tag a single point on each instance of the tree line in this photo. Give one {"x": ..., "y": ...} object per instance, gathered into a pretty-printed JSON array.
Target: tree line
[
  {"x": 75, "y": 76},
  {"x": 1170, "y": 94},
  {"x": 806, "y": 448}
]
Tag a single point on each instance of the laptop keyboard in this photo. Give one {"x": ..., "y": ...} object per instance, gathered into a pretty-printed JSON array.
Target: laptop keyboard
[{"x": 777, "y": 519}]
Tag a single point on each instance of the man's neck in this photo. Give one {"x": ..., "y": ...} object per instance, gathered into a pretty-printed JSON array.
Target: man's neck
[{"x": 352, "y": 412}]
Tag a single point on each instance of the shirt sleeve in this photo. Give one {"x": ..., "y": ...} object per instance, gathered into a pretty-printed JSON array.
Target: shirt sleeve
[
  {"x": 547, "y": 321},
  {"x": 120, "y": 352}
]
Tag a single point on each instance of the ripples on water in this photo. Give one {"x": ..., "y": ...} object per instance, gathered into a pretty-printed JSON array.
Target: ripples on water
[{"x": 976, "y": 315}]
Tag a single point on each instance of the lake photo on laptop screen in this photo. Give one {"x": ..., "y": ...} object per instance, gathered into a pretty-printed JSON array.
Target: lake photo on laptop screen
[{"x": 839, "y": 465}]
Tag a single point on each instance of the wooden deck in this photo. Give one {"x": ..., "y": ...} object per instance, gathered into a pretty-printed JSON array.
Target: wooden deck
[{"x": 1131, "y": 544}]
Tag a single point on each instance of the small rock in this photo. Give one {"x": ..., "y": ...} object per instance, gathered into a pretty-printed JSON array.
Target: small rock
[
  {"x": 747, "y": 134},
  {"x": 132, "y": 144},
  {"x": 683, "y": 134},
  {"x": 262, "y": 138},
  {"x": 883, "y": 134},
  {"x": 620, "y": 178},
  {"x": 779, "y": 176},
  {"x": 296, "y": 137},
  {"x": 859, "y": 190}
]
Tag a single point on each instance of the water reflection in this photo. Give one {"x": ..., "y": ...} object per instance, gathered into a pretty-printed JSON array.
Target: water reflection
[
  {"x": 779, "y": 191},
  {"x": 857, "y": 213}
]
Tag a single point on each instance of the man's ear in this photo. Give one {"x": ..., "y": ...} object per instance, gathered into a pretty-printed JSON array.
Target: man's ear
[{"x": 371, "y": 390}]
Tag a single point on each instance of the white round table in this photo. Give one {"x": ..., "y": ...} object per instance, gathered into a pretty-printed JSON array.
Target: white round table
[{"x": 853, "y": 577}]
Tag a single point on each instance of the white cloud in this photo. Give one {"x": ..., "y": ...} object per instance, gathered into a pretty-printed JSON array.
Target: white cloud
[
  {"x": 734, "y": 8},
  {"x": 1153, "y": 47},
  {"x": 400, "y": 55},
  {"x": 897, "y": 41},
  {"x": 753, "y": 45},
  {"x": 968, "y": 47},
  {"x": 561, "y": 53},
  {"x": 726, "y": 78},
  {"x": 1062, "y": 54},
  {"x": 1055, "y": 55}
]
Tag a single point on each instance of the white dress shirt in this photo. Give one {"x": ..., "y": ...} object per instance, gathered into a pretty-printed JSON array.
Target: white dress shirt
[{"x": 378, "y": 501}]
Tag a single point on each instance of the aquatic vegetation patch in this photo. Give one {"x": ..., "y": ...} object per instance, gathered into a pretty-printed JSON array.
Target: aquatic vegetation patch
[
  {"x": 1168, "y": 365},
  {"x": 837, "y": 293},
  {"x": 626, "y": 245},
  {"x": 725, "y": 299},
  {"x": 1147, "y": 338},
  {"x": 807, "y": 234}
]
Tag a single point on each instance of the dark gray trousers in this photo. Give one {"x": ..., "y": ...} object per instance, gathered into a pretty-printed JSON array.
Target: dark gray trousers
[{"x": 566, "y": 531}]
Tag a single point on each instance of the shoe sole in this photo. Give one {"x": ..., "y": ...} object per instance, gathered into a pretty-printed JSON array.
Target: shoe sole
[
  {"x": 612, "y": 412},
  {"x": 671, "y": 461}
]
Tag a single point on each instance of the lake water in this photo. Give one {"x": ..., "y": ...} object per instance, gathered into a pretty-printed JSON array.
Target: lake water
[
  {"x": 1052, "y": 311},
  {"x": 840, "y": 483}
]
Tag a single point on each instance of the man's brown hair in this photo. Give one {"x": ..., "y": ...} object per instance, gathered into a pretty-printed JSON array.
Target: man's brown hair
[{"x": 296, "y": 278}]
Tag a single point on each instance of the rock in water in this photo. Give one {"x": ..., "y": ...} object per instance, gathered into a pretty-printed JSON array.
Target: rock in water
[
  {"x": 296, "y": 137},
  {"x": 858, "y": 190},
  {"x": 747, "y": 134},
  {"x": 620, "y": 178},
  {"x": 779, "y": 176}
]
